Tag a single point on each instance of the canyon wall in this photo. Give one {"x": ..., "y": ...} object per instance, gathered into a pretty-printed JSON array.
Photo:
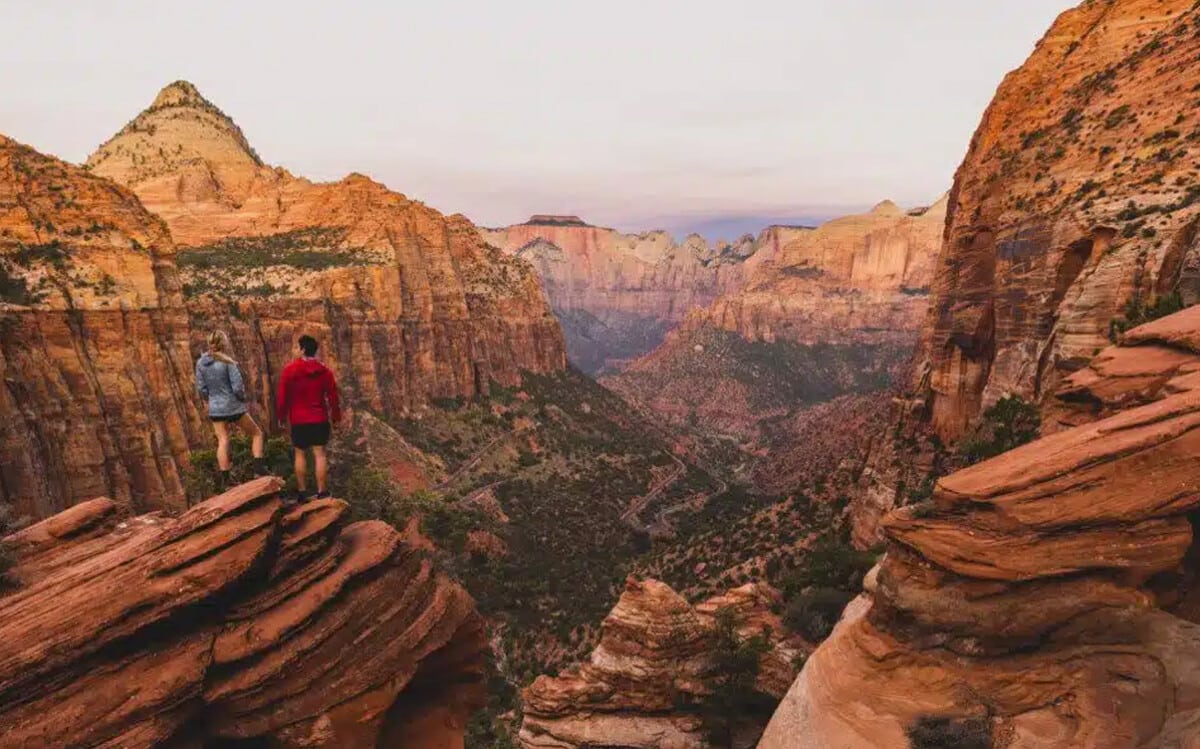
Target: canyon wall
[
  {"x": 94, "y": 342},
  {"x": 618, "y": 294},
  {"x": 1074, "y": 210},
  {"x": 410, "y": 304},
  {"x": 238, "y": 622},
  {"x": 103, "y": 313},
  {"x": 828, "y": 312},
  {"x": 1044, "y": 598}
]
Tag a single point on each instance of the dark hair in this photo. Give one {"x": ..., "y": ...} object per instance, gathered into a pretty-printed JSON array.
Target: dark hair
[{"x": 309, "y": 345}]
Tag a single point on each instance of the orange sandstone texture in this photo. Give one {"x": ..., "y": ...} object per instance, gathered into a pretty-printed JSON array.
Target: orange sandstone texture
[
  {"x": 94, "y": 342},
  {"x": 654, "y": 653},
  {"x": 410, "y": 303},
  {"x": 1077, "y": 196},
  {"x": 237, "y": 620},
  {"x": 617, "y": 294},
  {"x": 101, "y": 318},
  {"x": 822, "y": 313},
  {"x": 1050, "y": 592}
]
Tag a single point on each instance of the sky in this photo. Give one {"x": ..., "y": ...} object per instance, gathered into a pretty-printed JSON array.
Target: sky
[{"x": 633, "y": 113}]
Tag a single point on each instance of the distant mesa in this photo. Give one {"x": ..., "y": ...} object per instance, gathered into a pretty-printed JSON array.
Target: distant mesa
[
  {"x": 887, "y": 208},
  {"x": 546, "y": 219}
]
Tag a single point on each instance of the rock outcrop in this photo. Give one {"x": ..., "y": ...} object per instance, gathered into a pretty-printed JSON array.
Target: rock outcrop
[
  {"x": 641, "y": 684},
  {"x": 1044, "y": 598},
  {"x": 861, "y": 279},
  {"x": 618, "y": 294},
  {"x": 828, "y": 312},
  {"x": 412, "y": 304},
  {"x": 1075, "y": 207},
  {"x": 238, "y": 621},
  {"x": 94, "y": 342},
  {"x": 102, "y": 316}
]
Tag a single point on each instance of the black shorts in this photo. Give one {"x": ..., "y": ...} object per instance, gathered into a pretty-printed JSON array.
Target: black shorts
[
  {"x": 228, "y": 419},
  {"x": 305, "y": 436}
]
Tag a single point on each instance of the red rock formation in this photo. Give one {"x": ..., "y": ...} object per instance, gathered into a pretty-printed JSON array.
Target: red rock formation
[
  {"x": 830, "y": 311},
  {"x": 411, "y": 304},
  {"x": 1076, "y": 196},
  {"x": 1048, "y": 594},
  {"x": 97, "y": 339},
  {"x": 237, "y": 620},
  {"x": 652, "y": 659},
  {"x": 617, "y": 294},
  {"x": 94, "y": 342},
  {"x": 861, "y": 279}
]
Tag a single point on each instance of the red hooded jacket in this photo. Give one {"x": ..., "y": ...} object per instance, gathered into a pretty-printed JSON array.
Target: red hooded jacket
[{"x": 305, "y": 387}]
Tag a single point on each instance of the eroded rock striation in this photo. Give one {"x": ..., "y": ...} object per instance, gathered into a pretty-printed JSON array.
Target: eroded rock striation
[
  {"x": 640, "y": 686},
  {"x": 618, "y": 294},
  {"x": 1044, "y": 598},
  {"x": 94, "y": 342},
  {"x": 1074, "y": 207},
  {"x": 411, "y": 303},
  {"x": 101, "y": 314},
  {"x": 829, "y": 311},
  {"x": 238, "y": 620}
]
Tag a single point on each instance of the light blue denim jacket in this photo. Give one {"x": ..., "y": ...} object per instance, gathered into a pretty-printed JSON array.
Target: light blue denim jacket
[{"x": 221, "y": 385}]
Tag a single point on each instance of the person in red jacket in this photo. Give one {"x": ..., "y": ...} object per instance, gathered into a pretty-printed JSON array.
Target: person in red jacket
[{"x": 308, "y": 401}]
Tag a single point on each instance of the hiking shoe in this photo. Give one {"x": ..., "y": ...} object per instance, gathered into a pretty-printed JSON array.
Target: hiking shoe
[{"x": 322, "y": 495}]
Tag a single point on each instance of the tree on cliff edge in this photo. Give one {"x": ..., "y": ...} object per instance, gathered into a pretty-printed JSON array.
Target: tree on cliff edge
[{"x": 732, "y": 700}]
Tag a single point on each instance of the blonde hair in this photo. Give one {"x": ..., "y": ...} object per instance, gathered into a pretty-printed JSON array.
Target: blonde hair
[{"x": 219, "y": 347}]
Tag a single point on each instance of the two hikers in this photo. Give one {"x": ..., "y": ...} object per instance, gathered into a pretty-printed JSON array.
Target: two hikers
[{"x": 307, "y": 401}]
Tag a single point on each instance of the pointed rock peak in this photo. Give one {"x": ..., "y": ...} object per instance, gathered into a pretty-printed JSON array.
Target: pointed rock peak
[
  {"x": 358, "y": 178},
  {"x": 886, "y": 208},
  {"x": 180, "y": 94},
  {"x": 179, "y": 130}
]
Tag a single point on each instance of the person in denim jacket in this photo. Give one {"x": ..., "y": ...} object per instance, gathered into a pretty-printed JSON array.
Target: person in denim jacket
[{"x": 219, "y": 382}]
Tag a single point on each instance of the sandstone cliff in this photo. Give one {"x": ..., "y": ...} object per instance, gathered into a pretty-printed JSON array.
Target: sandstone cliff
[
  {"x": 236, "y": 621},
  {"x": 94, "y": 341},
  {"x": 410, "y": 303},
  {"x": 1045, "y": 598},
  {"x": 830, "y": 311},
  {"x": 642, "y": 682},
  {"x": 618, "y": 294},
  {"x": 1075, "y": 207},
  {"x": 102, "y": 316}
]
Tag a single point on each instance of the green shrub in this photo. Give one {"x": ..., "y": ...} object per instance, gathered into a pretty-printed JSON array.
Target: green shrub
[
  {"x": 816, "y": 611},
  {"x": 15, "y": 290},
  {"x": 8, "y": 524},
  {"x": 1007, "y": 425},
  {"x": 933, "y": 732},
  {"x": 200, "y": 477},
  {"x": 731, "y": 697},
  {"x": 830, "y": 563},
  {"x": 1138, "y": 312}
]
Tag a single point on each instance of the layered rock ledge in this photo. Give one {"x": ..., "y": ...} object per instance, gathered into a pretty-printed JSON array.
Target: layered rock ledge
[
  {"x": 238, "y": 620},
  {"x": 1046, "y": 597},
  {"x": 649, "y": 667}
]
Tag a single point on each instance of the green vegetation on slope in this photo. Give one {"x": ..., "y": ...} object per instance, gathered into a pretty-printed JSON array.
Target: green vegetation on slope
[{"x": 235, "y": 265}]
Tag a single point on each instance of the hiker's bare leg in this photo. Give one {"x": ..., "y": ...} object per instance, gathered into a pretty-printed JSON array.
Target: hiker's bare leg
[
  {"x": 250, "y": 427},
  {"x": 322, "y": 466},
  {"x": 222, "y": 431},
  {"x": 301, "y": 466}
]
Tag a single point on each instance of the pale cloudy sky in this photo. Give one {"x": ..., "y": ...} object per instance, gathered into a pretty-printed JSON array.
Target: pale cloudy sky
[{"x": 627, "y": 112}]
